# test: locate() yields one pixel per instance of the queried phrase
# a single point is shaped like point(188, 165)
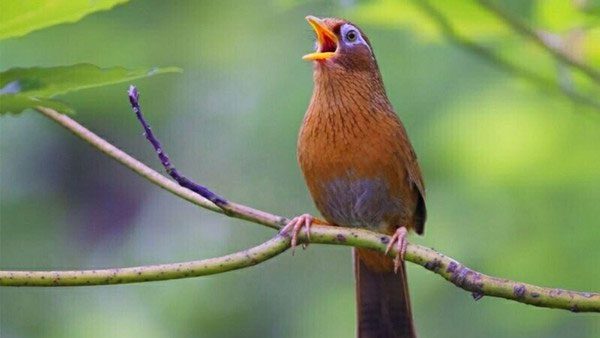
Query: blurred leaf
point(18, 18)
point(16, 103)
point(394, 14)
point(589, 6)
point(560, 15)
point(591, 46)
point(23, 88)
point(466, 16)
point(51, 81)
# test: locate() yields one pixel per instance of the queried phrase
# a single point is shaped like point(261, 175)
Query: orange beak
point(327, 41)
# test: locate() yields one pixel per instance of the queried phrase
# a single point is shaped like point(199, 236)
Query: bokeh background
point(512, 169)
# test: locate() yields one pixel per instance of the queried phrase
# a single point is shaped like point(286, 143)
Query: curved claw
point(295, 225)
point(399, 238)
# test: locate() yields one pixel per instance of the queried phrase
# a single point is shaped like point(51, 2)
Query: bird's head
point(340, 46)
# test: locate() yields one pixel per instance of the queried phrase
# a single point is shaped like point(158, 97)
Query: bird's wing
point(415, 178)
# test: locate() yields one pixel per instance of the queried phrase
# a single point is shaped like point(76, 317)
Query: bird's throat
point(339, 94)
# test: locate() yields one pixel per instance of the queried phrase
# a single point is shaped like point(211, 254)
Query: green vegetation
point(507, 137)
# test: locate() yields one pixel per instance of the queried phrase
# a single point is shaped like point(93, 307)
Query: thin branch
point(147, 273)
point(239, 211)
point(467, 279)
point(495, 60)
point(522, 28)
point(477, 283)
point(134, 97)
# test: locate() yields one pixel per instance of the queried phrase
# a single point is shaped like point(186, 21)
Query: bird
point(361, 171)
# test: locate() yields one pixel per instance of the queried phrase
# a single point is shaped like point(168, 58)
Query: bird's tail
point(382, 300)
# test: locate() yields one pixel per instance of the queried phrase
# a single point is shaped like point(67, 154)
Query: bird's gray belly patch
point(359, 202)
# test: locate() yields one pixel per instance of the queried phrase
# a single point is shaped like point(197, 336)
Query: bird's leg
point(399, 239)
point(295, 225)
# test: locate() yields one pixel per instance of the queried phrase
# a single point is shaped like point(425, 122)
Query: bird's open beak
point(327, 42)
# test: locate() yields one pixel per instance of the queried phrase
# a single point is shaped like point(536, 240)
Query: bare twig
point(183, 181)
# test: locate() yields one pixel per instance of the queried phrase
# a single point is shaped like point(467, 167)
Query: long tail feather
point(383, 303)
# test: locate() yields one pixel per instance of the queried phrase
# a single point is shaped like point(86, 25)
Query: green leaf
point(22, 88)
point(18, 18)
point(16, 103)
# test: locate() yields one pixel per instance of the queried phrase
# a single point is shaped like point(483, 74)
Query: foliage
point(512, 170)
point(24, 88)
point(18, 18)
point(572, 26)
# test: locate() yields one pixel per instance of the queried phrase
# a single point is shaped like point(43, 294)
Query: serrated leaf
point(18, 18)
point(22, 88)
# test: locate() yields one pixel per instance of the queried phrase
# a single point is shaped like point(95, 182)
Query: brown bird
point(361, 171)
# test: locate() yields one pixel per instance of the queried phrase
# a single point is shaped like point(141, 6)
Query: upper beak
point(327, 41)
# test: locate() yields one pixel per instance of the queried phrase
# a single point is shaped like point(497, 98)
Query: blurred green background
point(512, 170)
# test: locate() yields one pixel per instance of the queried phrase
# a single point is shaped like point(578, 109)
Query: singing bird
point(361, 171)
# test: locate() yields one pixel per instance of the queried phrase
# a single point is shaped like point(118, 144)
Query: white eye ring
point(351, 36)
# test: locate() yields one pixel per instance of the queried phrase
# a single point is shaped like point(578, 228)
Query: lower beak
point(327, 41)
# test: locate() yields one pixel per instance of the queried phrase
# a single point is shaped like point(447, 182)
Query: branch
point(495, 60)
point(453, 271)
point(526, 31)
point(235, 210)
point(147, 273)
point(183, 181)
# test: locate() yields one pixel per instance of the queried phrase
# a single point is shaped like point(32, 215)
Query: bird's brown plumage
point(361, 170)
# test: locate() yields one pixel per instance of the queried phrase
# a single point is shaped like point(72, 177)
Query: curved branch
point(147, 273)
point(522, 28)
point(453, 271)
point(477, 283)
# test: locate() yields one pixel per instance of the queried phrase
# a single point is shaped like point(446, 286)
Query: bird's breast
point(354, 169)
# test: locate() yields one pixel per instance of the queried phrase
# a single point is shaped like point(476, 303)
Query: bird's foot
point(398, 239)
point(295, 225)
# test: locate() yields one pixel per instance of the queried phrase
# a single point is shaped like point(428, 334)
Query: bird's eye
point(351, 35)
